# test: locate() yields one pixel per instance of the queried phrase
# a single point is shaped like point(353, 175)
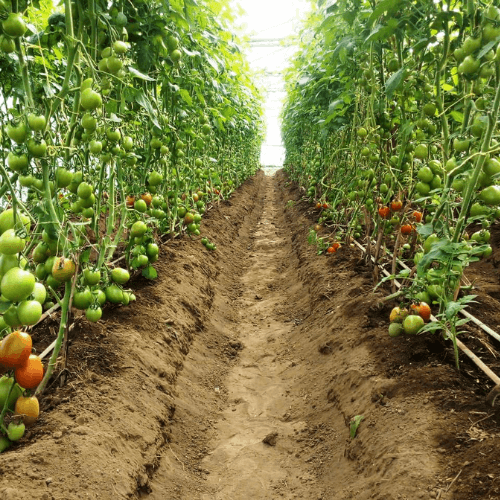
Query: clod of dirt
point(270, 439)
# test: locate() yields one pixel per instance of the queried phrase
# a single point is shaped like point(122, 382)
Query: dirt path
point(251, 454)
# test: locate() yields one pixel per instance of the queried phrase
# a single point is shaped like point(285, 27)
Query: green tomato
point(100, 297)
point(413, 324)
point(422, 188)
point(490, 195)
point(461, 145)
point(51, 282)
point(90, 99)
point(15, 431)
point(430, 241)
point(91, 277)
point(114, 294)
point(120, 275)
point(17, 284)
point(10, 243)
point(39, 292)
point(155, 178)
point(95, 147)
point(17, 163)
point(425, 174)
point(18, 133)
point(63, 177)
point(469, 66)
point(84, 190)
point(93, 314)
point(37, 122)
point(29, 312)
point(82, 299)
point(395, 329)
point(421, 151)
point(14, 26)
point(140, 205)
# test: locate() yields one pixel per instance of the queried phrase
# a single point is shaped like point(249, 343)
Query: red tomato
point(423, 310)
point(406, 229)
point(384, 212)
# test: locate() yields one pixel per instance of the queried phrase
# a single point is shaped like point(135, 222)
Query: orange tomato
point(147, 198)
point(63, 269)
point(423, 310)
point(396, 205)
point(384, 212)
point(325, 205)
point(28, 408)
point(406, 229)
point(130, 201)
point(331, 249)
point(418, 216)
point(398, 315)
point(336, 245)
point(318, 205)
point(15, 349)
point(30, 374)
point(195, 197)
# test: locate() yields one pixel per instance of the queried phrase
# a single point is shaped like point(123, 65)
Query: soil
point(238, 375)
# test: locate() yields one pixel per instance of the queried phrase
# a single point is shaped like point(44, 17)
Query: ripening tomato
point(63, 269)
point(398, 315)
point(418, 216)
point(423, 310)
point(396, 205)
point(130, 200)
point(147, 198)
point(28, 408)
point(30, 374)
point(331, 250)
point(406, 229)
point(15, 349)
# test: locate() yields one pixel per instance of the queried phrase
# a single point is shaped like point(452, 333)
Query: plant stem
point(60, 337)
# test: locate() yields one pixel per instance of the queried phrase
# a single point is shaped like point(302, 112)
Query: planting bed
point(237, 372)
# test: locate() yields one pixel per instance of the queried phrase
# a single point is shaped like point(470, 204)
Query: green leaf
point(142, 100)
point(149, 272)
point(354, 424)
point(381, 7)
point(186, 97)
point(140, 75)
point(394, 82)
point(4, 306)
point(457, 116)
point(85, 256)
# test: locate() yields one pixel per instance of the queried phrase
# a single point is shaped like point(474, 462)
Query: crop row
point(120, 122)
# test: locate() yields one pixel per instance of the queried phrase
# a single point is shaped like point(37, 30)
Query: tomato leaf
point(138, 74)
point(85, 256)
point(354, 424)
point(4, 306)
point(394, 82)
point(149, 273)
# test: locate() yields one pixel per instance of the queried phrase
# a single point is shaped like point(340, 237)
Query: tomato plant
point(110, 135)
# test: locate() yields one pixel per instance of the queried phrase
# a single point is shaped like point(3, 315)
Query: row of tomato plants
point(120, 121)
point(391, 126)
